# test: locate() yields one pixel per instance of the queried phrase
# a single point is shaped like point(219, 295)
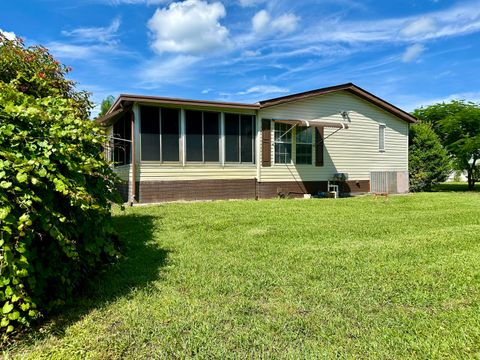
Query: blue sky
point(409, 52)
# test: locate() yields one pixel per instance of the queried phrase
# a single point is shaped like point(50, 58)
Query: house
point(168, 149)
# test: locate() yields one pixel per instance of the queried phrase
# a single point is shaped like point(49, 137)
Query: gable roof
point(349, 87)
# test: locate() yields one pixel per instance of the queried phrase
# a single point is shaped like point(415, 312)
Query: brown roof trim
point(350, 87)
point(110, 117)
point(176, 101)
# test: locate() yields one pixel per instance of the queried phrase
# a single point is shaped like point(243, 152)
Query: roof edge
point(350, 87)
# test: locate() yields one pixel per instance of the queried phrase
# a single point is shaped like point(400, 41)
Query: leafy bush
point(55, 187)
point(429, 163)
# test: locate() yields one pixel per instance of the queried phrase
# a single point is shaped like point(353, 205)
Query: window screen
point(246, 125)
point(211, 130)
point(170, 134)
point(150, 133)
point(194, 138)
point(232, 138)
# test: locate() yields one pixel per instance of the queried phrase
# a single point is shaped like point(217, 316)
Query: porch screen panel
point(211, 128)
point(150, 133)
point(246, 124)
point(193, 124)
point(232, 135)
point(170, 134)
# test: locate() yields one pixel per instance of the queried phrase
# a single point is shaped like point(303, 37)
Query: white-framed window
point(381, 137)
point(283, 143)
point(303, 146)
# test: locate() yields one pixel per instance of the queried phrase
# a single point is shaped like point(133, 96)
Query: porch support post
point(133, 162)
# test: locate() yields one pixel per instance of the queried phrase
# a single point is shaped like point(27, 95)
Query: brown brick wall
point(160, 191)
point(297, 189)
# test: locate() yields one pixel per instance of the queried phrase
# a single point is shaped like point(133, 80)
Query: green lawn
point(354, 278)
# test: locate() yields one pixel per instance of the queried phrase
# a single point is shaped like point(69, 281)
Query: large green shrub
point(55, 186)
point(429, 163)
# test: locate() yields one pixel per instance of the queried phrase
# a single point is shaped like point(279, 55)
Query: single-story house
point(168, 149)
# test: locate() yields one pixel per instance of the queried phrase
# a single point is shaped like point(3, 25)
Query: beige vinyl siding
point(354, 151)
point(155, 172)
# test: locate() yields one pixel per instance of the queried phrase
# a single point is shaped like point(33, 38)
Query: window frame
point(382, 131)
point(239, 122)
point(160, 136)
point(311, 135)
point(203, 139)
point(275, 142)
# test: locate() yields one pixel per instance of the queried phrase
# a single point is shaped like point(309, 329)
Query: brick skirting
point(161, 191)
point(297, 189)
point(158, 191)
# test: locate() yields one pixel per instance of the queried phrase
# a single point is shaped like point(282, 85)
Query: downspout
point(133, 162)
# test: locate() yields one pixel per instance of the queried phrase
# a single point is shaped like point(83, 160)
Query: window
point(283, 143)
point(150, 133)
point(239, 138)
point(202, 136)
point(303, 145)
point(121, 148)
point(170, 121)
point(159, 134)
point(381, 137)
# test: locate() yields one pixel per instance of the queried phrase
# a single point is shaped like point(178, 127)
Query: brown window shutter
point(266, 142)
point(319, 146)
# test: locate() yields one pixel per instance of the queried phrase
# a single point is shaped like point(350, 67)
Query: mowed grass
point(348, 278)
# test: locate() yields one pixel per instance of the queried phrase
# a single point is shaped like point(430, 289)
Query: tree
point(56, 188)
point(106, 105)
point(429, 163)
point(457, 123)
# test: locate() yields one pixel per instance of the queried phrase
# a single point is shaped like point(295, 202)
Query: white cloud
point(134, 2)
point(413, 52)
point(95, 34)
point(422, 26)
point(263, 90)
point(190, 27)
point(248, 3)
point(153, 73)
point(251, 53)
point(10, 35)
point(263, 22)
point(260, 20)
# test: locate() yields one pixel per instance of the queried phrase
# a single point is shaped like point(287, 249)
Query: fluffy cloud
point(8, 34)
point(413, 52)
point(263, 22)
point(422, 26)
point(189, 27)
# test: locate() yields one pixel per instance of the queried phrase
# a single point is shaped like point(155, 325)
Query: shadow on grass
point(454, 186)
point(140, 266)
